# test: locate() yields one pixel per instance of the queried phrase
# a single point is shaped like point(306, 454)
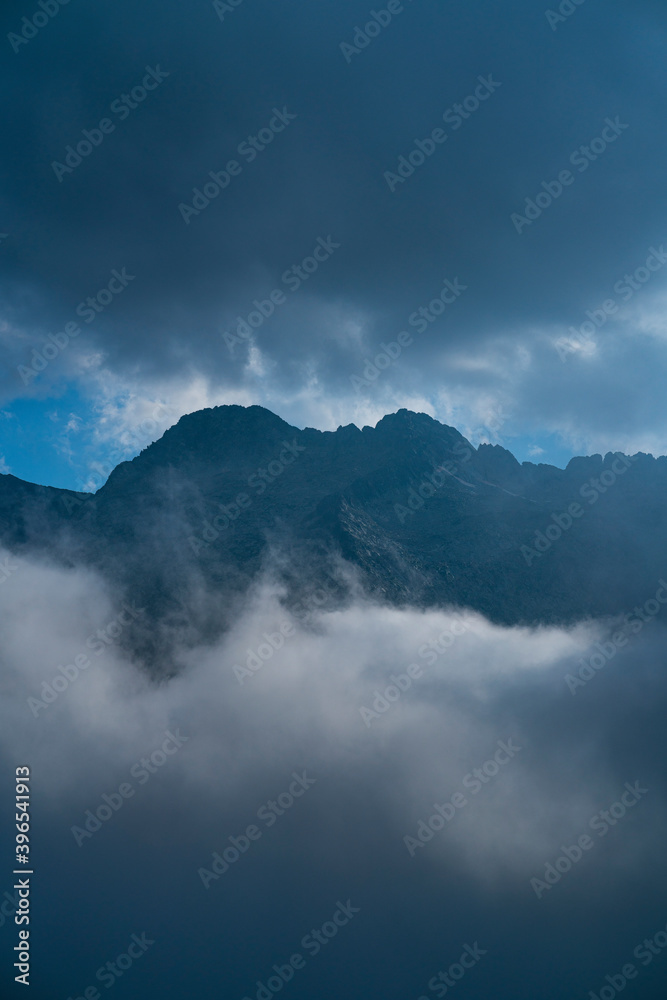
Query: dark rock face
point(425, 518)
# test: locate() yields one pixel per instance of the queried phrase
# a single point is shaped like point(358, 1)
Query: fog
point(373, 717)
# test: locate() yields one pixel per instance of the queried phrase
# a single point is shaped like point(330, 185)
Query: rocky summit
point(409, 509)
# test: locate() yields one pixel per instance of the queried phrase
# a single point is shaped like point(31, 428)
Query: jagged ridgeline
point(423, 517)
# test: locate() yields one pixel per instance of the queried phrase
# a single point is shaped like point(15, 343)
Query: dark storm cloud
point(323, 175)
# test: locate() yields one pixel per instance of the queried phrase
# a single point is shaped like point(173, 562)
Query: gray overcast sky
point(496, 362)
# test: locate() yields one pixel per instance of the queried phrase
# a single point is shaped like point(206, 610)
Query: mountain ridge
point(414, 509)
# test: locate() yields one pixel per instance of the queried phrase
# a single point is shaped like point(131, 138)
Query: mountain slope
point(423, 516)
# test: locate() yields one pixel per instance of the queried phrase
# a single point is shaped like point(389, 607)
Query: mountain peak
point(419, 513)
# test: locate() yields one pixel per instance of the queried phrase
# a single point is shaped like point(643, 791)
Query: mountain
point(422, 516)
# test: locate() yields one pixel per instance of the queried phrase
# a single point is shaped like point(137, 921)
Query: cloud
point(388, 726)
point(323, 178)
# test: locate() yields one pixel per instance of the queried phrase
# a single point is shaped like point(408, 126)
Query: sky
point(334, 196)
point(333, 210)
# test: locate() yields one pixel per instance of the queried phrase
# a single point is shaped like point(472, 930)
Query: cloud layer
point(224, 79)
point(446, 763)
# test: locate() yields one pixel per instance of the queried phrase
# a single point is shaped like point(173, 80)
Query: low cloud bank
point(407, 758)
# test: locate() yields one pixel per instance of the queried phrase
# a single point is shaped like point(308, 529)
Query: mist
point(424, 767)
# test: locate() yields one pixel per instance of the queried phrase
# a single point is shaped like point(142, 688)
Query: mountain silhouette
point(421, 516)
